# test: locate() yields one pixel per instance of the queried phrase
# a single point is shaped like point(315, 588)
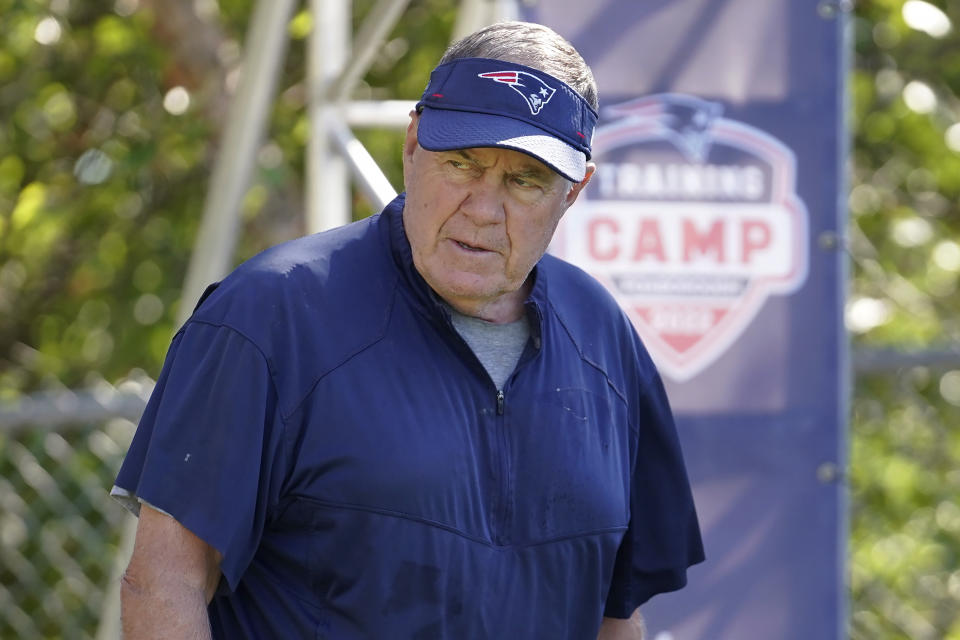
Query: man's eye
point(523, 182)
point(457, 164)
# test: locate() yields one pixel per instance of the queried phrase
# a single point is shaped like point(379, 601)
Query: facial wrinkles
point(500, 202)
point(480, 216)
point(503, 167)
point(491, 209)
point(460, 226)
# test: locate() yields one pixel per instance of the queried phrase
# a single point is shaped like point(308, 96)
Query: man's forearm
point(162, 611)
point(171, 577)
point(619, 629)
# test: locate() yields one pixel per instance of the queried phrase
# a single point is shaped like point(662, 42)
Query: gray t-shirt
point(497, 346)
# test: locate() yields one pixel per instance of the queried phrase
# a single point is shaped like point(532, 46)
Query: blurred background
point(111, 118)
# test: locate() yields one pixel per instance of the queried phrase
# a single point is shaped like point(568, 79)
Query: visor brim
point(446, 130)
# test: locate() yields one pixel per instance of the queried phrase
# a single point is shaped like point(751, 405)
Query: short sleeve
point(663, 537)
point(208, 449)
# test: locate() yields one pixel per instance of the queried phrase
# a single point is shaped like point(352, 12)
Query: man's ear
point(578, 186)
point(410, 144)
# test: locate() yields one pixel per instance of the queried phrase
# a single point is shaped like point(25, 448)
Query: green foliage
point(101, 186)
point(905, 231)
point(96, 178)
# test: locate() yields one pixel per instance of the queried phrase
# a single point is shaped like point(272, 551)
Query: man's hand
point(619, 629)
point(171, 578)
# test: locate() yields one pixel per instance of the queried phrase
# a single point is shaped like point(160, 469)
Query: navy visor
point(481, 102)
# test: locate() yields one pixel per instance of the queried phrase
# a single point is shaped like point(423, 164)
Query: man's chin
point(490, 300)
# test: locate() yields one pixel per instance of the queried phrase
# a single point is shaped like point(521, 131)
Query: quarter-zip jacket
point(321, 423)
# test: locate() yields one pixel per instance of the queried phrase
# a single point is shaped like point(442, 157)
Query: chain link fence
point(59, 529)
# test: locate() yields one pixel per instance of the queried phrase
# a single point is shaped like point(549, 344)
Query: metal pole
point(393, 114)
point(328, 189)
point(370, 37)
point(265, 48)
point(476, 14)
point(62, 410)
point(365, 169)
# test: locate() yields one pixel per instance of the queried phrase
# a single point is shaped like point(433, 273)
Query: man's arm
point(171, 578)
point(619, 629)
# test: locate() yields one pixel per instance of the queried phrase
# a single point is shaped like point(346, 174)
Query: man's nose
point(484, 201)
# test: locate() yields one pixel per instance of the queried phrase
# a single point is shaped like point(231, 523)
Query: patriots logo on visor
point(534, 91)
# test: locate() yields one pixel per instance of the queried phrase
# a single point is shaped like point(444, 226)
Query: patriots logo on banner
point(693, 223)
point(685, 121)
point(534, 91)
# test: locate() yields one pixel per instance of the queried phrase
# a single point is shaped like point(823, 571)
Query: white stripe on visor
point(552, 151)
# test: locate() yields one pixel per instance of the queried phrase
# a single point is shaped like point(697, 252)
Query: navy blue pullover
point(320, 423)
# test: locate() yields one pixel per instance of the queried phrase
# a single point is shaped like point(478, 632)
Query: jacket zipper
point(503, 517)
point(504, 511)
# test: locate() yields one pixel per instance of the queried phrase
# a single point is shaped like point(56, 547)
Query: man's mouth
point(468, 247)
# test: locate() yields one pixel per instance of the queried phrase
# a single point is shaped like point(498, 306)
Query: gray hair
point(533, 45)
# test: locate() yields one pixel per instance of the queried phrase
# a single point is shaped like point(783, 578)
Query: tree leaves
point(905, 229)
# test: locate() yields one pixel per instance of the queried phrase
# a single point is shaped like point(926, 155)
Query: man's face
point(478, 220)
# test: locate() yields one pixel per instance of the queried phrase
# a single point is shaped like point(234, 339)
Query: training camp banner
point(715, 220)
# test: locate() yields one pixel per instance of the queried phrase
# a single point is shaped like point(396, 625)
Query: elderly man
point(418, 425)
